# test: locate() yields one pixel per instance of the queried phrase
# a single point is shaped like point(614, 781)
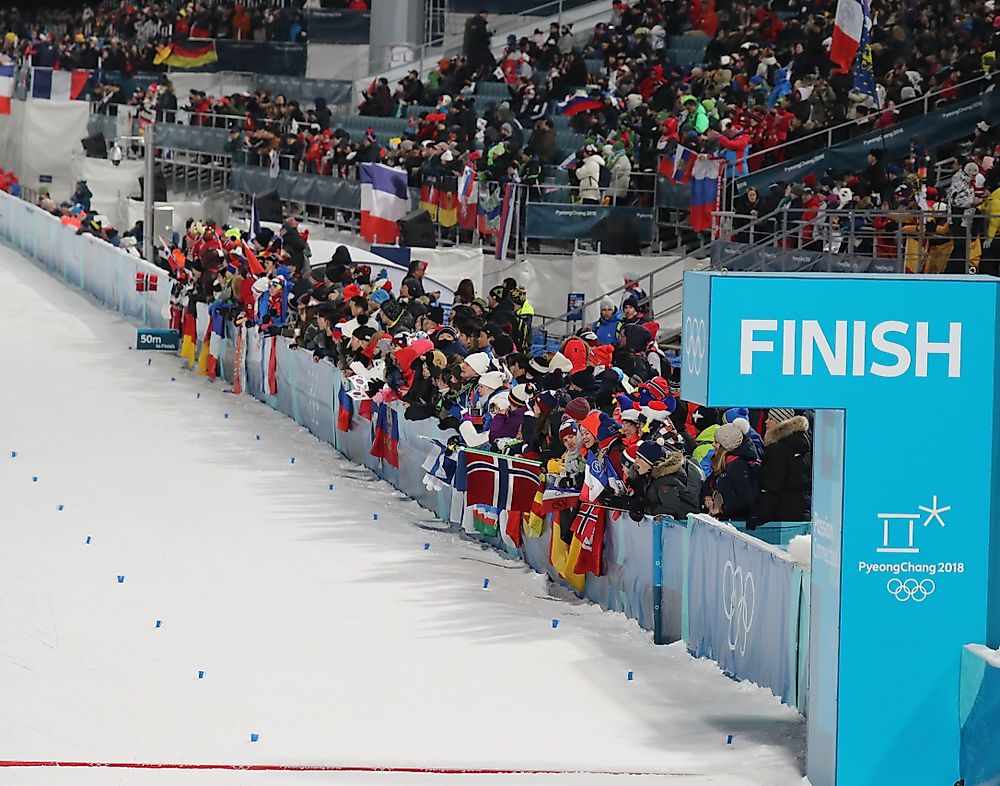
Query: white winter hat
point(501, 401)
point(561, 363)
point(479, 362)
point(260, 286)
point(491, 379)
point(607, 302)
point(971, 169)
point(631, 415)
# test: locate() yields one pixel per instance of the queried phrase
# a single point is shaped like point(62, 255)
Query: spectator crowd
point(608, 394)
point(124, 37)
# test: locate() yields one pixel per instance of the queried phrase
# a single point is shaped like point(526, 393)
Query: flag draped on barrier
point(385, 443)
point(53, 85)
point(187, 54)
point(704, 192)
point(6, 88)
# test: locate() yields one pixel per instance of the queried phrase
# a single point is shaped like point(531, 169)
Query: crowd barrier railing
point(106, 272)
point(731, 597)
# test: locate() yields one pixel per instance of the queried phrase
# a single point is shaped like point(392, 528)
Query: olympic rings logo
point(695, 344)
point(911, 589)
point(739, 595)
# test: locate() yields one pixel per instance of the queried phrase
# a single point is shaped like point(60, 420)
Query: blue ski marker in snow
point(293, 459)
point(13, 454)
point(729, 740)
point(159, 622)
point(201, 675)
point(34, 478)
point(87, 540)
point(486, 583)
point(225, 415)
point(427, 546)
point(630, 676)
point(254, 737)
point(555, 624)
point(121, 579)
point(59, 507)
point(149, 361)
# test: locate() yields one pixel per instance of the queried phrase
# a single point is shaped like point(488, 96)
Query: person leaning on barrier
point(729, 493)
point(663, 483)
point(786, 470)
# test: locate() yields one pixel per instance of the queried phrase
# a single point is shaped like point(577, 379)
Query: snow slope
point(339, 639)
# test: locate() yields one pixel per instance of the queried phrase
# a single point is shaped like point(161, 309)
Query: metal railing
point(824, 137)
point(917, 241)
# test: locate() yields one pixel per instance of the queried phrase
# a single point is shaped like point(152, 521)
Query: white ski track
point(338, 639)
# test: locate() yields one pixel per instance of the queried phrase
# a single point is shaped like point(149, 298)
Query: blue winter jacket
point(609, 332)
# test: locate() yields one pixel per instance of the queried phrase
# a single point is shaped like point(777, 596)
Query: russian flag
point(704, 192)
point(678, 166)
point(847, 33)
point(47, 83)
point(343, 410)
point(384, 200)
point(579, 103)
point(6, 88)
point(385, 444)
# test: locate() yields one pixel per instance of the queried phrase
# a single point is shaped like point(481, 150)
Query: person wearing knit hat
point(664, 483)
point(490, 381)
point(540, 428)
point(741, 416)
point(631, 426)
point(648, 455)
point(731, 491)
point(779, 415)
point(475, 365)
point(729, 436)
point(786, 470)
point(578, 408)
point(520, 395)
point(608, 327)
point(545, 402)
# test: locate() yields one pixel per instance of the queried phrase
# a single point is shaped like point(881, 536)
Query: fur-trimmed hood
point(796, 425)
point(673, 462)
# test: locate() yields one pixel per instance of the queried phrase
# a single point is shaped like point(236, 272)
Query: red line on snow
point(328, 768)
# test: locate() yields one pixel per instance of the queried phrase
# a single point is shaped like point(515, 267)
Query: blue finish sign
point(903, 537)
point(146, 338)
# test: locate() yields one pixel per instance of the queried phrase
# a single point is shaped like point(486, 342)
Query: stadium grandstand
point(477, 218)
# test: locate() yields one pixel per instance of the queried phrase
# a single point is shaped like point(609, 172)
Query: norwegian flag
point(502, 482)
point(343, 410)
point(587, 548)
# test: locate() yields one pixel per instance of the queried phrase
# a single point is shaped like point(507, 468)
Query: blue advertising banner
point(567, 222)
point(978, 712)
point(824, 630)
point(913, 564)
point(739, 606)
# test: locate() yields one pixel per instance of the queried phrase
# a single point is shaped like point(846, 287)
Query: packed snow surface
point(338, 639)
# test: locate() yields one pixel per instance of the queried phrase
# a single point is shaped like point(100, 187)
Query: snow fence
point(731, 597)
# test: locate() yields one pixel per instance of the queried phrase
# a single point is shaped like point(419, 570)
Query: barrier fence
point(676, 579)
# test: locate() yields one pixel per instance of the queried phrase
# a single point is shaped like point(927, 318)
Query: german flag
point(190, 54)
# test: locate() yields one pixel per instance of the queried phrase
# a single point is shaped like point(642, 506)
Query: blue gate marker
point(121, 579)
point(630, 676)
point(254, 737)
point(486, 583)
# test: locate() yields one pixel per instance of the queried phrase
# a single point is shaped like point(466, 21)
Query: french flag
point(384, 200)
point(704, 192)
point(847, 33)
point(49, 84)
point(6, 88)
point(678, 167)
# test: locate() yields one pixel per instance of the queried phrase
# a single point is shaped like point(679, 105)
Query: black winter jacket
point(786, 473)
